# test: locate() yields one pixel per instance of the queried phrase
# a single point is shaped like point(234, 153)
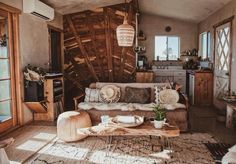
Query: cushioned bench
point(177, 117)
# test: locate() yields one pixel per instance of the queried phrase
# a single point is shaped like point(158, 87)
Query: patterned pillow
point(110, 94)
point(168, 96)
point(138, 95)
point(158, 89)
point(92, 95)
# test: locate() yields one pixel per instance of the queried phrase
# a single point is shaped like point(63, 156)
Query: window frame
point(208, 45)
point(167, 57)
point(15, 71)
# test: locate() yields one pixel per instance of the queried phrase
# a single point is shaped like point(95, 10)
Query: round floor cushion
point(69, 122)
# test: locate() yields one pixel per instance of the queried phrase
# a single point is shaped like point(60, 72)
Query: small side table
point(231, 109)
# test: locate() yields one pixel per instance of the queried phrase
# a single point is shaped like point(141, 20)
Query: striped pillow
point(92, 95)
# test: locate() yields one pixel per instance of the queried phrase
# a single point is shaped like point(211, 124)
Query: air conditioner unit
point(39, 9)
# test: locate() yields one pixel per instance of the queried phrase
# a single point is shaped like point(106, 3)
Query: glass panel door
point(222, 63)
point(5, 75)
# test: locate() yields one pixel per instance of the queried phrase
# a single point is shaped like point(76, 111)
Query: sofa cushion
point(122, 86)
point(138, 95)
point(92, 95)
point(110, 94)
point(168, 96)
point(228, 158)
point(233, 149)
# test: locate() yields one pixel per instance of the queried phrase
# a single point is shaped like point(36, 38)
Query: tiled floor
point(203, 119)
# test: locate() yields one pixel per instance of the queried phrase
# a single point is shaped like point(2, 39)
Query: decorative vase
point(159, 124)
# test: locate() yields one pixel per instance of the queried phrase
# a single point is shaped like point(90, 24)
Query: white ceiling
point(72, 6)
point(188, 10)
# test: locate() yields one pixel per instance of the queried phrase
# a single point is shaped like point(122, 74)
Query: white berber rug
point(187, 148)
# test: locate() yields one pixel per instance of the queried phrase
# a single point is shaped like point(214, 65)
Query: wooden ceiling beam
point(108, 44)
point(72, 47)
point(83, 50)
point(125, 49)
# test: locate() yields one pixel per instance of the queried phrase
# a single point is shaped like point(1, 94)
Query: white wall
point(155, 25)
point(34, 43)
point(207, 25)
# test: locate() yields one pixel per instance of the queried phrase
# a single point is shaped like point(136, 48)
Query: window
point(5, 73)
point(204, 44)
point(167, 47)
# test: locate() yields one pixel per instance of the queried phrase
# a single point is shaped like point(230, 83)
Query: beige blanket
point(126, 106)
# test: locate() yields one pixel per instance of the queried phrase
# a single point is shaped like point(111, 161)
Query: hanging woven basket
point(125, 34)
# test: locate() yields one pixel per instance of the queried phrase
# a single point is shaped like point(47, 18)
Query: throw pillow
point(233, 149)
point(92, 95)
point(158, 89)
point(110, 94)
point(168, 96)
point(138, 95)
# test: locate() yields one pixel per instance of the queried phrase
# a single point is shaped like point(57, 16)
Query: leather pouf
point(69, 122)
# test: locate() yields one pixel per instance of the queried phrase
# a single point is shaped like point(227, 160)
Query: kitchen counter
point(198, 71)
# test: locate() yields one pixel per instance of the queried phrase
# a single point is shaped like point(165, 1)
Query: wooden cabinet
point(144, 77)
point(52, 106)
point(203, 88)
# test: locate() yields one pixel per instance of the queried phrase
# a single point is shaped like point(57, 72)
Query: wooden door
point(55, 40)
point(222, 63)
point(7, 77)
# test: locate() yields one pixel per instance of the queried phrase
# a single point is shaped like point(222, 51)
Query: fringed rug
point(187, 148)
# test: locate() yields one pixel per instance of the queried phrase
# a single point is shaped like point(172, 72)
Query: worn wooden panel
point(91, 49)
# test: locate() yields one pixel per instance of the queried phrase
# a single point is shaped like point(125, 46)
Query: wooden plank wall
point(91, 50)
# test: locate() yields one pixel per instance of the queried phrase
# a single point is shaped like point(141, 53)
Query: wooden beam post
point(108, 44)
point(83, 50)
point(93, 37)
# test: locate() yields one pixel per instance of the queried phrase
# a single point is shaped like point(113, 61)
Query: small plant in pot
point(159, 116)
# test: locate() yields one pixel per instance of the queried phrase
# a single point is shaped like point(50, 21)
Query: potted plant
point(160, 113)
point(3, 40)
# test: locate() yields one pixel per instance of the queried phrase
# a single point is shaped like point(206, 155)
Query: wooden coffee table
point(146, 129)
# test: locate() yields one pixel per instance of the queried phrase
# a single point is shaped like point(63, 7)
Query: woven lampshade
point(125, 34)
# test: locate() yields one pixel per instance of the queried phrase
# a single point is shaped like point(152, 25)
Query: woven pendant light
point(125, 33)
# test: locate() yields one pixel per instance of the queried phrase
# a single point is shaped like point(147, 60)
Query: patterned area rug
point(188, 148)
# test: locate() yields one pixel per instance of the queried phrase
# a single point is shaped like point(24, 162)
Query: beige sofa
point(178, 116)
